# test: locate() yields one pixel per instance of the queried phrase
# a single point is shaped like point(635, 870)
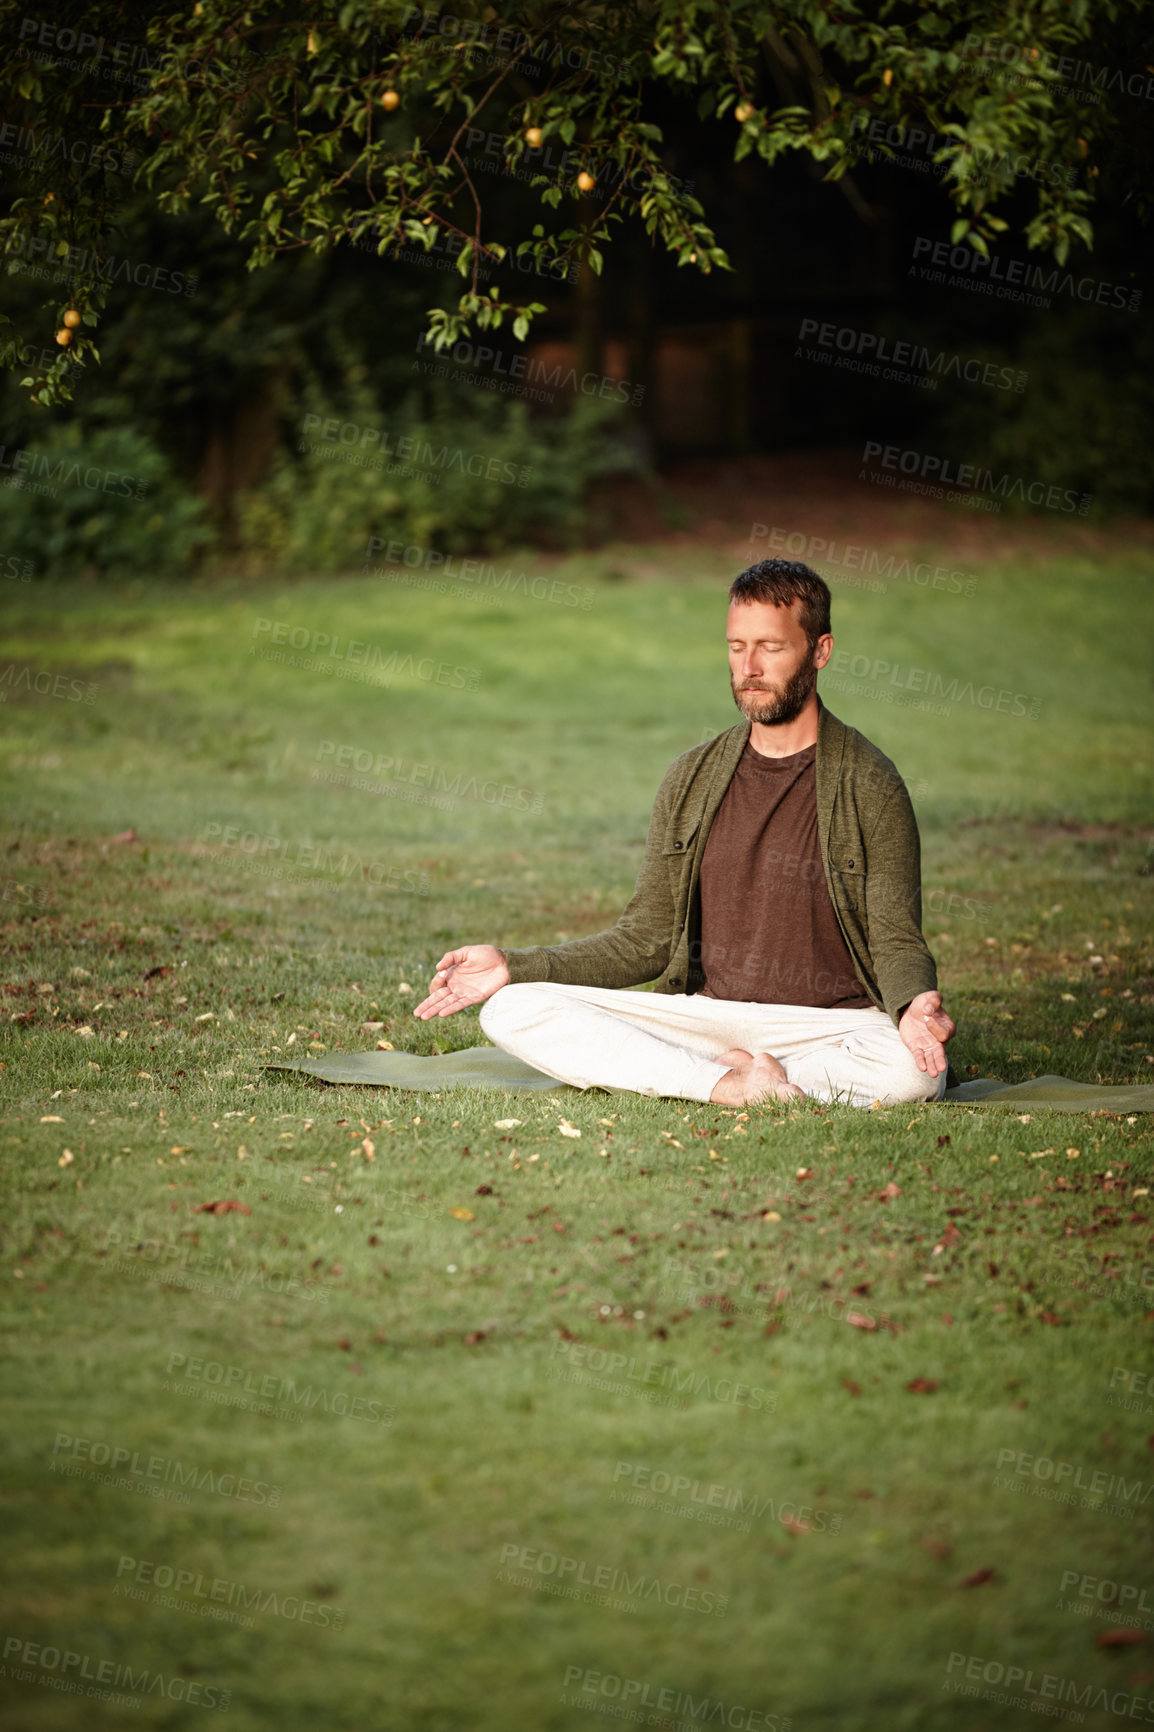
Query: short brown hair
point(782, 582)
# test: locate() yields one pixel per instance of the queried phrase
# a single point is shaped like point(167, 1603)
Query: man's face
point(772, 669)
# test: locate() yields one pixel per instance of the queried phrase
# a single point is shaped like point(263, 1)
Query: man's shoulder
point(858, 757)
point(702, 756)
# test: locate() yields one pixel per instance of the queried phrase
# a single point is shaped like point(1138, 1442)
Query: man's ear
point(822, 650)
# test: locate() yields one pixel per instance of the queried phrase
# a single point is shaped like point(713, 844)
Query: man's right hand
point(464, 977)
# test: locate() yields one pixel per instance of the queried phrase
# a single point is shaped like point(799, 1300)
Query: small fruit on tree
point(390, 100)
point(72, 318)
point(586, 181)
point(533, 137)
point(64, 337)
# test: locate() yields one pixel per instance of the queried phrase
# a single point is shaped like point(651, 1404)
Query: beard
point(777, 704)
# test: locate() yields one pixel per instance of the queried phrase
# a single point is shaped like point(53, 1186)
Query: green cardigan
point(869, 848)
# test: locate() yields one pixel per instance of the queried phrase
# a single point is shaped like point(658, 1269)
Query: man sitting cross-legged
point(777, 911)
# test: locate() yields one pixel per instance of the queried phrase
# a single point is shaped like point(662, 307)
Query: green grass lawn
point(455, 1422)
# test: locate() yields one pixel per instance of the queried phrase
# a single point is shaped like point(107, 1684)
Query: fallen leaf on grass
point(121, 836)
point(922, 1386)
point(848, 1383)
point(858, 1321)
point(568, 1130)
point(155, 973)
point(462, 1214)
point(370, 1148)
point(936, 1548)
point(509, 1124)
point(225, 1207)
point(52, 1119)
point(794, 1525)
point(890, 1191)
point(474, 1338)
point(943, 1142)
point(86, 1031)
point(66, 1158)
point(978, 1578)
point(1119, 1638)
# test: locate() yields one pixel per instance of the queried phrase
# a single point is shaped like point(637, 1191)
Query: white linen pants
point(657, 1043)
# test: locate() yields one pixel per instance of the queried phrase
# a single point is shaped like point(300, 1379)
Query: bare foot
point(753, 1077)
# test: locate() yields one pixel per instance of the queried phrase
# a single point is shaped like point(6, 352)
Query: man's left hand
point(924, 1028)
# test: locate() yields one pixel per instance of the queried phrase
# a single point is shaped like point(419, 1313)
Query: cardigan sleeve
point(903, 964)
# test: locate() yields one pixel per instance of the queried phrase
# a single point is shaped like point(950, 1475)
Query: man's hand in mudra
point(464, 977)
point(924, 1028)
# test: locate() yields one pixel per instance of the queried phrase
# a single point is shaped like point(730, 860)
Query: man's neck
point(783, 739)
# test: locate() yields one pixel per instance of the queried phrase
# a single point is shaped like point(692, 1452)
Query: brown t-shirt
point(769, 934)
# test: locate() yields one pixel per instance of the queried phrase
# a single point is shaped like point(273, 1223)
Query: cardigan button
point(675, 983)
point(678, 844)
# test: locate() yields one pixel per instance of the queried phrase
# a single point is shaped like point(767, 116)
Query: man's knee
point(906, 1084)
point(507, 1008)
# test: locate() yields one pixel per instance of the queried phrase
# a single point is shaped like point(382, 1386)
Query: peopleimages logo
point(1109, 1593)
point(1001, 53)
point(1018, 278)
point(123, 1460)
point(912, 679)
point(117, 1673)
point(515, 371)
point(908, 362)
point(604, 1578)
point(236, 1380)
point(668, 1377)
point(634, 1694)
point(154, 1578)
point(69, 474)
point(936, 475)
point(713, 1498)
point(473, 571)
point(852, 556)
point(1098, 1484)
point(1051, 1685)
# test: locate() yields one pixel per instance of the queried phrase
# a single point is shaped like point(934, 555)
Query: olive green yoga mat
point(487, 1067)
